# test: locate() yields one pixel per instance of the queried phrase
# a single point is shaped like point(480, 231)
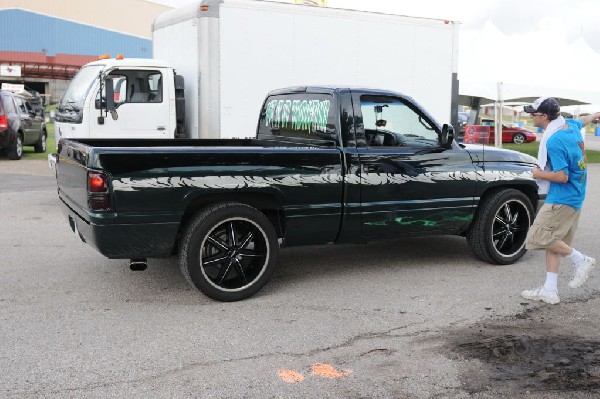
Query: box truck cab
point(143, 96)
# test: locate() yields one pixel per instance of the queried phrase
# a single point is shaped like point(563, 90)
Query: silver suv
point(20, 125)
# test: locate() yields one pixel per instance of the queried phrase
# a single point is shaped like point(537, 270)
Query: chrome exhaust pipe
point(138, 265)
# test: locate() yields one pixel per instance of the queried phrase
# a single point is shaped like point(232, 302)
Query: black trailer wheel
point(15, 151)
point(40, 146)
point(229, 251)
point(499, 230)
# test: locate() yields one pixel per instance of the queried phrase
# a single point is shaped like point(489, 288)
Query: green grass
point(532, 149)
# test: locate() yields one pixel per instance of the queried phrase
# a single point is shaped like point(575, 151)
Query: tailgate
point(71, 175)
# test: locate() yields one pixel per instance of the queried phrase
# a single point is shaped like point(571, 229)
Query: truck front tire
point(229, 251)
point(499, 230)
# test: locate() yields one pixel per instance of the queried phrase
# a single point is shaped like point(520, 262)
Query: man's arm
point(586, 120)
point(557, 177)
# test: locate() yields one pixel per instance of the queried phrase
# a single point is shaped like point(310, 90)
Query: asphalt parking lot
point(408, 318)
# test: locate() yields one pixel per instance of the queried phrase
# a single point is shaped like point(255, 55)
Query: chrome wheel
point(510, 226)
point(234, 254)
point(497, 234)
point(518, 138)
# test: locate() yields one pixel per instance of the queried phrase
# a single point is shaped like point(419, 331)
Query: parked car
point(510, 134)
point(20, 125)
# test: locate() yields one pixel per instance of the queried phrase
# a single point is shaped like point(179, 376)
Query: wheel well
point(268, 204)
point(529, 191)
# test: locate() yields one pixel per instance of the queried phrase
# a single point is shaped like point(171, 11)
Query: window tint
point(391, 122)
point(305, 116)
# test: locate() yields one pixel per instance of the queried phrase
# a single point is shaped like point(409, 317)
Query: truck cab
point(143, 92)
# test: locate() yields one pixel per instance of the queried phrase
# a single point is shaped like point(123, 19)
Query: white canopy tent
point(522, 72)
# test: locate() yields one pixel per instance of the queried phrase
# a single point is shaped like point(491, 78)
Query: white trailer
point(231, 53)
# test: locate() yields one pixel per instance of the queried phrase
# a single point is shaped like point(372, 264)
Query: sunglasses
point(536, 114)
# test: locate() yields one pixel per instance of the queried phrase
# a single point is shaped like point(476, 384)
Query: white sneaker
point(582, 272)
point(541, 294)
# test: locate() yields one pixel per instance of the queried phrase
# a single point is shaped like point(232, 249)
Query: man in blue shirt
point(554, 226)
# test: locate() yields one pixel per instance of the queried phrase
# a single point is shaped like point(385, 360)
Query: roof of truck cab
point(335, 88)
point(131, 62)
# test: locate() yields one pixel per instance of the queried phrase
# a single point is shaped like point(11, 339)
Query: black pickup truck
point(328, 165)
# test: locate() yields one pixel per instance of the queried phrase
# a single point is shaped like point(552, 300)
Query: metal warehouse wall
point(25, 31)
point(132, 17)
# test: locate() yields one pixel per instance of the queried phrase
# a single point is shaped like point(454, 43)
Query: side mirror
point(447, 136)
point(110, 95)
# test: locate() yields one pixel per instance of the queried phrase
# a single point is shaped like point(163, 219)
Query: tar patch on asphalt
point(527, 353)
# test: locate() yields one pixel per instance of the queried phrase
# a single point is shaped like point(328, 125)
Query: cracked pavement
point(386, 315)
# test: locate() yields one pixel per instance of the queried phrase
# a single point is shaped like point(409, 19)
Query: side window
point(136, 86)
point(9, 105)
point(298, 116)
point(144, 87)
point(28, 108)
point(119, 89)
point(156, 90)
point(392, 122)
point(20, 105)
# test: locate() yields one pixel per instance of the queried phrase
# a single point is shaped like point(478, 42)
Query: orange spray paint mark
point(328, 371)
point(291, 376)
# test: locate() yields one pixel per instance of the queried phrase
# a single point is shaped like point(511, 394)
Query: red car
point(485, 133)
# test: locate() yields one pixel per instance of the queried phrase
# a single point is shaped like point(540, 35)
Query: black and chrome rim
point(510, 227)
point(234, 254)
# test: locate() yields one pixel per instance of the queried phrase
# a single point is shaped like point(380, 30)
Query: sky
point(522, 35)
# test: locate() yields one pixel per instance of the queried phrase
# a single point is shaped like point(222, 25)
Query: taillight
point(98, 192)
point(3, 122)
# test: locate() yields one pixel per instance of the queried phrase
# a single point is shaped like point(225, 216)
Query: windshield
point(77, 91)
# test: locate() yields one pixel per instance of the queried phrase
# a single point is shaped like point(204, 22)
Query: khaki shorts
point(553, 223)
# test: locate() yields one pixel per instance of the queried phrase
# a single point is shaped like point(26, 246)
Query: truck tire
point(229, 251)
point(15, 151)
point(40, 146)
point(499, 230)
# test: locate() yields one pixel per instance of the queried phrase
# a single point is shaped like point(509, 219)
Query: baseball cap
point(544, 105)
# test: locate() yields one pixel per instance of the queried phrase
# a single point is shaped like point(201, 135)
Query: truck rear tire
point(229, 251)
point(499, 230)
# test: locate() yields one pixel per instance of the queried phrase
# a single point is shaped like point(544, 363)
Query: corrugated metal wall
point(25, 31)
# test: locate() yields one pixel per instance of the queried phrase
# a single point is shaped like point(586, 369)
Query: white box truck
point(217, 59)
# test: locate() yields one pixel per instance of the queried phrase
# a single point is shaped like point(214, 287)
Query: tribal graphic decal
point(297, 180)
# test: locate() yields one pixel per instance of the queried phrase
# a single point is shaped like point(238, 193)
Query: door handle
point(161, 128)
point(369, 168)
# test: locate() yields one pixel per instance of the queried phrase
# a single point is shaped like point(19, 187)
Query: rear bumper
point(6, 138)
point(124, 241)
